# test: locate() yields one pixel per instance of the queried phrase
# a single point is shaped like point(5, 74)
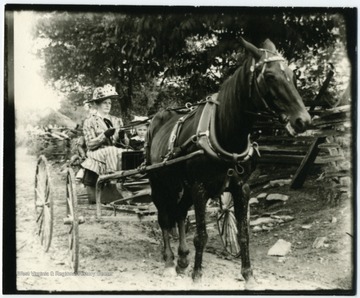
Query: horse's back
point(159, 133)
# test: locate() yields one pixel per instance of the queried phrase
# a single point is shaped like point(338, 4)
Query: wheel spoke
point(223, 225)
point(221, 215)
point(232, 237)
point(40, 214)
point(226, 229)
point(227, 224)
point(234, 233)
point(40, 224)
point(39, 195)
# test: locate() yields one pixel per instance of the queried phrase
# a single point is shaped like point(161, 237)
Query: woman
point(103, 136)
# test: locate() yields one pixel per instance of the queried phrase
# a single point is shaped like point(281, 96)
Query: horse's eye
point(270, 77)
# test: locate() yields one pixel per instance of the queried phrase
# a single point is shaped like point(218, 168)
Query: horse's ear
point(251, 48)
point(269, 45)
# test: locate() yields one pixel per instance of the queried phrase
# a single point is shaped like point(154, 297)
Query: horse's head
point(273, 88)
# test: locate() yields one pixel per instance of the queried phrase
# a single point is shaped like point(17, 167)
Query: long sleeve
point(118, 124)
point(93, 141)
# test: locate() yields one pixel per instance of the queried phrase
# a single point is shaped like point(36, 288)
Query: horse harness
point(260, 87)
point(205, 138)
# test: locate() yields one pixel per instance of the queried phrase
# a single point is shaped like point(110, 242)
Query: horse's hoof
point(170, 272)
point(181, 266)
point(181, 270)
point(196, 276)
point(251, 284)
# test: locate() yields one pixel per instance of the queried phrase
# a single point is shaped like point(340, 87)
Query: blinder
point(261, 88)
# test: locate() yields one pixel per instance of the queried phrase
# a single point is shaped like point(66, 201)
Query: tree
point(172, 54)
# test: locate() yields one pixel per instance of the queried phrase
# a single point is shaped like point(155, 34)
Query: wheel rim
point(43, 203)
point(227, 225)
point(71, 212)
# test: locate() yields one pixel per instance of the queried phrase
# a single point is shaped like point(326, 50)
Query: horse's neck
point(234, 121)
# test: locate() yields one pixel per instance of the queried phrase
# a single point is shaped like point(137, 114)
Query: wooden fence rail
point(327, 142)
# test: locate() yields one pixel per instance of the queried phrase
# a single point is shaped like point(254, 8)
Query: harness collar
point(206, 137)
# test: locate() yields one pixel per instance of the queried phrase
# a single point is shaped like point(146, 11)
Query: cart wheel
point(226, 223)
point(72, 219)
point(44, 207)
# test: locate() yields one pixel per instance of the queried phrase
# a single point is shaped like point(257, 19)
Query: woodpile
point(327, 144)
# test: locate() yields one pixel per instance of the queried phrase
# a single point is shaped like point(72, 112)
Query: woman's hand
point(108, 133)
point(121, 134)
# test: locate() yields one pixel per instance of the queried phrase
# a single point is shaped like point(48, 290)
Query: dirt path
point(125, 255)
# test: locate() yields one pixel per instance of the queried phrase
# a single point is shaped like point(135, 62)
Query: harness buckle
point(189, 106)
point(204, 133)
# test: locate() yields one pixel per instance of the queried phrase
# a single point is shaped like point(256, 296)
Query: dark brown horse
point(264, 83)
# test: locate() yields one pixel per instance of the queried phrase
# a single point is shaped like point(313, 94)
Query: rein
point(188, 108)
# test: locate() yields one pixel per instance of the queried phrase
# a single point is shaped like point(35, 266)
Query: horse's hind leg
point(200, 198)
point(183, 250)
point(168, 254)
point(241, 195)
point(166, 226)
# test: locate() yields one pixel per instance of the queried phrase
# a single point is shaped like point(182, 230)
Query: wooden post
point(308, 160)
point(317, 101)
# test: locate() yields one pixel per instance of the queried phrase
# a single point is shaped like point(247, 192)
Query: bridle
point(258, 84)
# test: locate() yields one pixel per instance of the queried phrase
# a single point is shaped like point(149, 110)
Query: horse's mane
point(233, 121)
point(233, 97)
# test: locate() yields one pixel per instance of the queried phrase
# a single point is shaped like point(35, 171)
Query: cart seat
point(132, 159)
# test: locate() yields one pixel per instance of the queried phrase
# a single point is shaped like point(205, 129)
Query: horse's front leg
point(241, 195)
point(200, 198)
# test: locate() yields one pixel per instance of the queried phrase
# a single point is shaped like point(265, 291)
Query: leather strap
point(206, 137)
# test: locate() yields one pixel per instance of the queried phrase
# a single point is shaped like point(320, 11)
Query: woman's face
point(104, 107)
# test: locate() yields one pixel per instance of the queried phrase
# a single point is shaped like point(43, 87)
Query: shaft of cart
point(140, 170)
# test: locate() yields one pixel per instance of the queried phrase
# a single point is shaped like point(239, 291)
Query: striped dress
point(102, 156)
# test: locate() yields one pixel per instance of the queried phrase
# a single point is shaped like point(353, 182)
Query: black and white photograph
point(180, 149)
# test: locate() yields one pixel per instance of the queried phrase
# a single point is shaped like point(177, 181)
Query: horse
point(220, 127)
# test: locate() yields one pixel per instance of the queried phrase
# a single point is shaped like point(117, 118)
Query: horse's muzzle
point(301, 124)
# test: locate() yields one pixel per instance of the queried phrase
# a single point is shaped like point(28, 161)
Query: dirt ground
point(125, 254)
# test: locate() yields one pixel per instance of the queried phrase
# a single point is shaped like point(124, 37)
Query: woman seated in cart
point(104, 137)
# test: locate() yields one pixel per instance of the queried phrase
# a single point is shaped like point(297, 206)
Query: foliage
point(160, 57)
point(310, 76)
point(73, 107)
